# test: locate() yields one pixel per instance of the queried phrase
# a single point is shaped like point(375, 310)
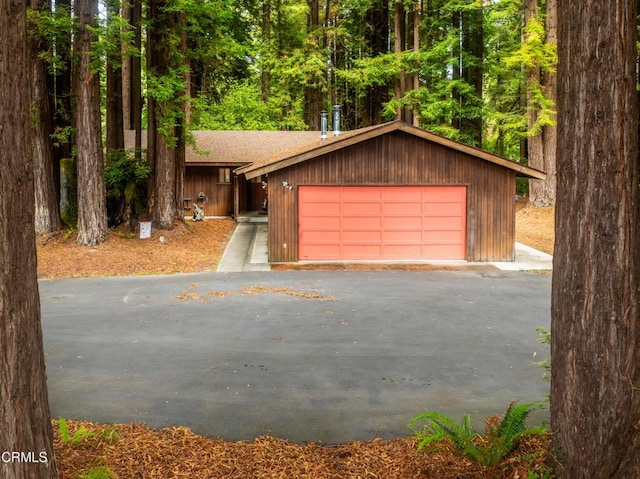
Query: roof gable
point(304, 152)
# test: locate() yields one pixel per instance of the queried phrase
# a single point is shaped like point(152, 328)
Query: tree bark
point(595, 349)
point(47, 210)
point(165, 142)
point(114, 100)
point(25, 423)
point(313, 90)
point(542, 147)
point(377, 36)
point(92, 208)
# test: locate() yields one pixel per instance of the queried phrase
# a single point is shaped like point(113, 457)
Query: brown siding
point(218, 199)
point(402, 159)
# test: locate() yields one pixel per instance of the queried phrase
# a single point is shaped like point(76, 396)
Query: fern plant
point(502, 435)
point(79, 435)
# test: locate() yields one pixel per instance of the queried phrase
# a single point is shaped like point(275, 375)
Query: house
point(209, 180)
point(389, 192)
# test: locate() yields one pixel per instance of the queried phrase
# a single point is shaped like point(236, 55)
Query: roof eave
point(252, 170)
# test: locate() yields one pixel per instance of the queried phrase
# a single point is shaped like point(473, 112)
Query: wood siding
point(218, 197)
point(401, 159)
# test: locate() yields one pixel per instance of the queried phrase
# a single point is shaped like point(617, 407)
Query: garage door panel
point(402, 237)
point(324, 223)
point(361, 223)
point(359, 251)
point(402, 195)
point(402, 251)
point(444, 209)
point(362, 236)
point(359, 194)
point(444, 222)
point(406, 223)
point(369, 223)
point(414, 208)
point(321, 237)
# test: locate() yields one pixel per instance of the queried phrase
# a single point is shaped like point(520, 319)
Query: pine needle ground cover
point(135, 451)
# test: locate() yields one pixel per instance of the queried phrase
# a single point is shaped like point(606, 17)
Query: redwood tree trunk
point(47, 209)
point(92, 208)
point(25, 423)
point(595, 349)
point(542, 147)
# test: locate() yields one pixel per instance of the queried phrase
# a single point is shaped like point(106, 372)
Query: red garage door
point(378, 223)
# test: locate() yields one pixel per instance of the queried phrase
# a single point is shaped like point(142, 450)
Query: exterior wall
point(402, 159)
point(218, 200)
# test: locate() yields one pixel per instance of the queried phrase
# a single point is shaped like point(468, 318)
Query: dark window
point(224, 175)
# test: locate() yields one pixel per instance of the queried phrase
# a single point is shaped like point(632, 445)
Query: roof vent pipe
point(323, 125)
point(336, 120)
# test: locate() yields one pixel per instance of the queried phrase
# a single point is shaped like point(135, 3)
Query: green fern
point(80, 435)
point(499, 440)
point(100, 472)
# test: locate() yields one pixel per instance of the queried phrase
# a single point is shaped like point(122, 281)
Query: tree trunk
point(92, 208)
point(543, 192)
point(114, 107)
point(399, 43)
point(25, 422)
point(313, 91)
point(377, 36)
point(265, 76)
point(166, 142)
point(595, 328)
point(47, 211)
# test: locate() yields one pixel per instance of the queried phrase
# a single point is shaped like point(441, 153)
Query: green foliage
point(80, 435)
point(100, 472)
point(544, 337)
point(52, 30)
point(500, 439)
point(123, 168)
point(242, 108)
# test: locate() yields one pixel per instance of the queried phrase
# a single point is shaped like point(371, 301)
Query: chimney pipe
point(323, 125)
point(336, 120)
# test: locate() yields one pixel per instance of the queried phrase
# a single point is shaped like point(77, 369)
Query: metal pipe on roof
point(323, 124)
point(336, 120)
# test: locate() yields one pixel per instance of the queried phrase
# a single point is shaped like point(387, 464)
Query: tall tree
point(542, 88)
point(166, 48)
point(113, 74)
point(47, 213)
point(25, 422)
point(92, 208)
point(595, 328)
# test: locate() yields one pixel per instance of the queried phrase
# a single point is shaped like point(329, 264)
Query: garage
point(381, 222)
point(390, 192)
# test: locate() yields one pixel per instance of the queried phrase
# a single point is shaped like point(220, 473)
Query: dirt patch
point(259, 289)
point(535, 226)
point(189, 247)
point(135, 451)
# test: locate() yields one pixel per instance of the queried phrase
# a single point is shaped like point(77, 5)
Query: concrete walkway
point(247, 251)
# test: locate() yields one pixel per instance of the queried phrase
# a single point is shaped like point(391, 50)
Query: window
point(224, 175)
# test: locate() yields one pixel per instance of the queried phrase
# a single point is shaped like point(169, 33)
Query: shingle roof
point(237, 147)
point(259, 151)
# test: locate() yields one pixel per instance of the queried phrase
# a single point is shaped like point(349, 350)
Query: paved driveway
point(326, 356)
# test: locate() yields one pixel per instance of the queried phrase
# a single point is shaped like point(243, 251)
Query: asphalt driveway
point(327, 356)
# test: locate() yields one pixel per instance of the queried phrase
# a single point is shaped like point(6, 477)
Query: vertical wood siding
point(402, 159)
point(218, 196)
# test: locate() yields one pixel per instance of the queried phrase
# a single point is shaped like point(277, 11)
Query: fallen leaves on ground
point(135, 451)
point(535, 227)
point(188, 247)
point(259, 289)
